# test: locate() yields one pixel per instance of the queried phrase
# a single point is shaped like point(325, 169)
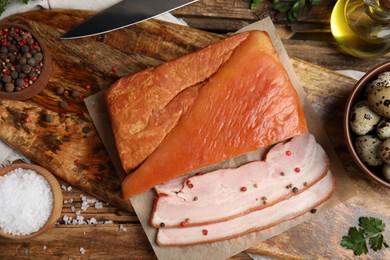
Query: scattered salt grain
point(98, 205)
point(72, 208)
point(44, 247)
point(26, 202)
point(26, 251)
point(69, 188)
point(82, 250)
point(84, 205)
point(92, 221)
point(122, 228)
point(108, 222)
point(91, 201)
point(63, 187)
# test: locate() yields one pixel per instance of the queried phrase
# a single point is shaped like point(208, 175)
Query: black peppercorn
point(60, 91)
point(6, 78)
point(75, 93)
point(86, 129)
point(26, 68)
point(22, 75)
point(22, 60)
point(31, 62)
point(19, 82)
point(14, 74)
point(25, 48)
point(63, 104)
point(49, 118)
point(38, 56)
point(9, 87)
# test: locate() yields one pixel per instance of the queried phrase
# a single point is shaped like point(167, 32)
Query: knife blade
point(123, 14)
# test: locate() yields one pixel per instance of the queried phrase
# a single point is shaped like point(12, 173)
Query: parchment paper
point(143, 203)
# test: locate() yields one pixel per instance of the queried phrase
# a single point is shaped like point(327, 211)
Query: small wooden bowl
point(41, 82)
point(357, 94)
point(57, 198)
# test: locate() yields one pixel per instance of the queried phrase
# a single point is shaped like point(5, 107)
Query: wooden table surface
point(310, 34)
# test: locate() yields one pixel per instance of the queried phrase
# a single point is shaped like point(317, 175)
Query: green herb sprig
point(5, 3)
point(369, 229)
point(291, 7)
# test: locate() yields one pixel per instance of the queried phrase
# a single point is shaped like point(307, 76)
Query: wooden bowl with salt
point(56, 195)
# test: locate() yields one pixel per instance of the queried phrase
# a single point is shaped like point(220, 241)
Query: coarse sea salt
point(26, 202)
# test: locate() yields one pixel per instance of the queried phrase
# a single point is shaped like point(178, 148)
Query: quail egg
point(384, 151)
point(367, 148)
point(379, 99)
point(363, 118)
point(383, 80)
point(383, 129)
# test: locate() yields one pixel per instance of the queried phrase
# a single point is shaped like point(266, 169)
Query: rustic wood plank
point(325, 89)
point(210, 15)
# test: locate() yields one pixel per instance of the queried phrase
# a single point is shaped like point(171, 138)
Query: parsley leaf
point(291, 7)
point(369, 229)
point(255, 3)
point(355, 241)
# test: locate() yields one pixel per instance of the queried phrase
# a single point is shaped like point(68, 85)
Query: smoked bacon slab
point(246, 104)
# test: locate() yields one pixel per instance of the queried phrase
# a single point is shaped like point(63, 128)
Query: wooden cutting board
point(71, 148)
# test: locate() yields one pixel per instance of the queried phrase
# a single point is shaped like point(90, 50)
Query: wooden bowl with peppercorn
point(30, 201)
point(25, 62)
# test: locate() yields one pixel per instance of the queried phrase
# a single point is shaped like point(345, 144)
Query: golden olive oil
point(361, 27)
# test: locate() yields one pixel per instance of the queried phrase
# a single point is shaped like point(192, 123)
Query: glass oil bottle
point(362, 27)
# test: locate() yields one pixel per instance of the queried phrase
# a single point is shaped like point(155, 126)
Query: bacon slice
point(252, 222)
point(247, 104)
point(289, 168)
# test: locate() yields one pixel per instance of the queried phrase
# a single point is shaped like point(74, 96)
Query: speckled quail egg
point(379, 100)
point(386, 171)
point(363, 118)
point(384, 151)
point(367, 148)
point(383, 129)
point(383, 80)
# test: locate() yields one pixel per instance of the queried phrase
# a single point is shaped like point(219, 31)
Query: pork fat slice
point(289, 168)
point(254, 221)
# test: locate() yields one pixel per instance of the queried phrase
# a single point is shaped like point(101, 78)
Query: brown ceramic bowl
point(357, 94)
point(43, 78)
point(57, 198)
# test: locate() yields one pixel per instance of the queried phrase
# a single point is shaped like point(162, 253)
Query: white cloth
point(8, 155)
